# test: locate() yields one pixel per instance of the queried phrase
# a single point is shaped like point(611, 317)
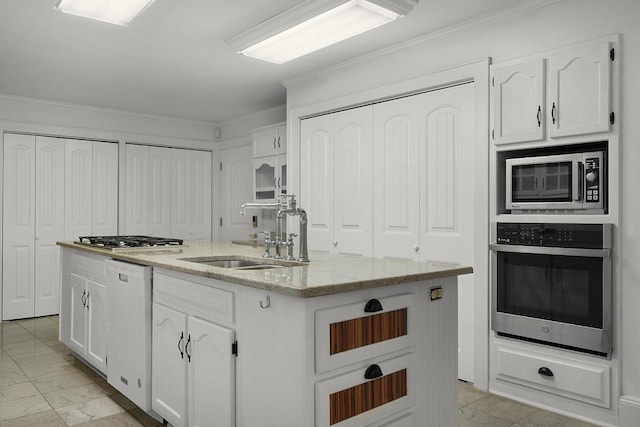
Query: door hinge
point(234, 348)
point(612, 54)
point(220, 222)
point(612, 118)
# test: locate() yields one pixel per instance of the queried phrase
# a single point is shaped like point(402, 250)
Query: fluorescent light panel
point(340, 23)
point(119, 12)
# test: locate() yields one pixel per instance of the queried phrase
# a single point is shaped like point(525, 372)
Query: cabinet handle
point(372, 372)
point(186, 348)
point(274, 142)
point(278, 182)
point(84, 304)
point(545, 372)
point(274, 182)
point(373, 306)
point(180, 348)
point(539, 115)
point(278, 142)
point(87, 300)
point(553, 113)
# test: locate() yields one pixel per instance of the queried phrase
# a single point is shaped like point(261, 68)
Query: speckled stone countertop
point(324, 275)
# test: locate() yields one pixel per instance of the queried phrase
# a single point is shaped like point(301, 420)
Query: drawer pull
point(545, 372)
point(373, 306)
point(372, 372)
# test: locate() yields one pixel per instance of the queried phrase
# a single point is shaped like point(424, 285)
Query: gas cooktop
point(115, 242)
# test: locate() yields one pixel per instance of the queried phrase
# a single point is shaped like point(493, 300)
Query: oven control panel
point(591, 236)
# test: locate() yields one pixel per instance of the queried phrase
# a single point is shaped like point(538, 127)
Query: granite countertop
point(324, 275)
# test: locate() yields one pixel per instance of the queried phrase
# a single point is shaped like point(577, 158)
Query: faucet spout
point(271, 206)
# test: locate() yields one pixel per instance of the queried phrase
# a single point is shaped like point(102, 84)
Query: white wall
point(538, 26)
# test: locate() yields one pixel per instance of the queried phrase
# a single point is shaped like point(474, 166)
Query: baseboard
point(629, 411)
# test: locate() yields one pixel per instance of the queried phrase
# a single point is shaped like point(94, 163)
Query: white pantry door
point(446, 205)
point(236, 188)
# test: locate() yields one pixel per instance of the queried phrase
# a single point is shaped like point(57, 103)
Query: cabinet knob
point(544, 371)
point(335, 243)
point(416, 248)
point(373, 306)
point(373, 371)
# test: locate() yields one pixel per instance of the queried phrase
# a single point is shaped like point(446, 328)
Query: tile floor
point(43, 385)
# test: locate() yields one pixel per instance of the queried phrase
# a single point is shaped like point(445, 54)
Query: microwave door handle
point(576, 181)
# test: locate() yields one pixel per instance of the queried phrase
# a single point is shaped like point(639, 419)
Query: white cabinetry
point(91, 188)
point(168, 192)
point(336, 181)
point(270, 161)
point(83, 312)
point(193, 365)
point(578, 95)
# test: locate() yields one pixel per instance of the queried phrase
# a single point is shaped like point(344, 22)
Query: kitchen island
point(339, 341)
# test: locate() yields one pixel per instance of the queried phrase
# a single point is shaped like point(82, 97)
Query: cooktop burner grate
point(129, 241)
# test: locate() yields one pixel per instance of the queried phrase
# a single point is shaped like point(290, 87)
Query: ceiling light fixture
point(119, 12)
point(315, 24)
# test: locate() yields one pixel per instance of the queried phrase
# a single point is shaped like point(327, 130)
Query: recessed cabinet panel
point(579, 91)
point(518, 102)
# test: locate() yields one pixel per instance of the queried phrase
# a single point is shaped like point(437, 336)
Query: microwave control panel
point(592, 180)
point(591, 236)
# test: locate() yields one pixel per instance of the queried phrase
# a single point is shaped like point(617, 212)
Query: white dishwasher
point(129, 331)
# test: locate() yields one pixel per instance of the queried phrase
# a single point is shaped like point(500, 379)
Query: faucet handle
point(290, 256)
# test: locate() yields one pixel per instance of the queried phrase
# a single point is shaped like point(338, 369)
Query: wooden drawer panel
point(206, 302)
point(587, 382)
point(351, 334)
point(353, 400)
point(348, 334)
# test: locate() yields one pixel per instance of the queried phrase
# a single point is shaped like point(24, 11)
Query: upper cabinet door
point(78, 189)
point(518, 102)
point(580, 91)
point(270, 140)
point(105, 189)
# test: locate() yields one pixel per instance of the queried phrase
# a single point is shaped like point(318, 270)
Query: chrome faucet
point(286, 205)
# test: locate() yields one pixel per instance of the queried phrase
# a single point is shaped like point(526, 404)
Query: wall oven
point(565, 182)
point(551, 283)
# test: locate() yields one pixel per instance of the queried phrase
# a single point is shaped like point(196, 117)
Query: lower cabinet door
point(367, 395)
point(211, 374)
point(78, 314)
point(169, 363)
point(96, 305)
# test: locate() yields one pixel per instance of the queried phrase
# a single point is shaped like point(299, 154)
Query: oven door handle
point(543, 250)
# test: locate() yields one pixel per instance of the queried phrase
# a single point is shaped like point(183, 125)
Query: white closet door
point(49, 223)
point(447, 202)
point(159, 194)
point(236, 188)
point(396, 162)
point(78, 189)
point(201, 195)
point(353, 186)
point(137, 190)
point(317, 180)
point(181, 192)
point(105, 189)
point(18, 226)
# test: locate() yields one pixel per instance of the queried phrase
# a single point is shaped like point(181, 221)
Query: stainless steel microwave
point(566, 182)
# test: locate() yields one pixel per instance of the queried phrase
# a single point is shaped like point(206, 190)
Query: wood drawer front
point(347, 334)
point(352, 400)
point(205, 302)
point(90, 267)
point(587, 382)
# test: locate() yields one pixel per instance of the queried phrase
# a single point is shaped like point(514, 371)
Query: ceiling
point(172, 59)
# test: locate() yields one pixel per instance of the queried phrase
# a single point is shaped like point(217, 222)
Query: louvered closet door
point(18, 256)
point(49, 223)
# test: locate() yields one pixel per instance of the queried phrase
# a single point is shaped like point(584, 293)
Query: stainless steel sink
point(240, 263)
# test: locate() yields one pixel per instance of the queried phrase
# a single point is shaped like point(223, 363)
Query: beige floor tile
point(21, 407)
point(548, 419)
point(144, 418)
point(61, 381)
point(41, 359)
point(40, 371)
point(88, 411)
point(41, 419)
point(119, 420)
point(17, 391)
point(469, 416)
point(12, 377)
point(502, 408)
point(74, 395)
point(467, 394)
